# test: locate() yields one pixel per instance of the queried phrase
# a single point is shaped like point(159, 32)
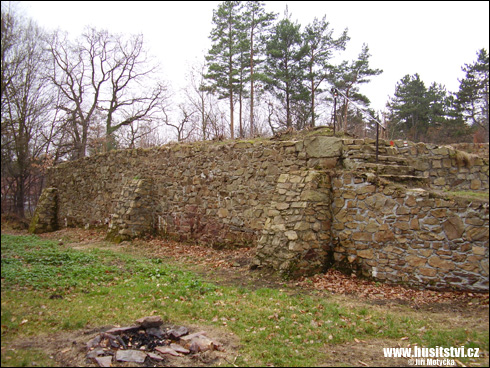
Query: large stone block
point(322, 146)
point(453, 227)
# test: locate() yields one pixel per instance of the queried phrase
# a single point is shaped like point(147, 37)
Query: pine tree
point(256, 21)
point(223, 70)
point(320, 45)
point(283, 74)
point(422, 114)
point(409, 108)
point(347, 78)
point(472, 97)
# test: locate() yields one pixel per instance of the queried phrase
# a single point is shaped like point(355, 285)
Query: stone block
point(478, 250)
point(475, 184)
point(366, 253)
point(321, 146)
point(427, 271)
point(291, 235)
point(453, 227)
point(223, 212)
point(477, 234)
point(415, 261)
point(384, 236)
point(314, 196)
point(443, 264)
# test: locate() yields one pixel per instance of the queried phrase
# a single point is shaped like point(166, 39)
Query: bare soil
point(232, 267)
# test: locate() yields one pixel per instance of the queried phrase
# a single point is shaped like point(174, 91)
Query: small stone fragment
point(105, 361)
point(94, 342)
point(95, 353)
point(155, 331)
point(176, 333)
point(191, 336)
point(179, 349)
point(119, 330)
point(155, 357)
point(151, 321)
point(167, 350)
point(200, 344)
point(135, 356)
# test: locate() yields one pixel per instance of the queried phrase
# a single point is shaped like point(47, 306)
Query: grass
point(469, 194)
point(101, 287)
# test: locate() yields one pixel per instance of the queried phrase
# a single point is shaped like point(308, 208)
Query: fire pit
point(147, 343)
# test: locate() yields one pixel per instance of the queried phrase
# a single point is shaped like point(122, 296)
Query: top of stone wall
point(479, 149)
point(316, 144)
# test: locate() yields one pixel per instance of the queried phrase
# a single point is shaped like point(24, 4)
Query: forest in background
point(63, 99)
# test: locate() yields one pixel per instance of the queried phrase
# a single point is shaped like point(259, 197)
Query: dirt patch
point(69, 349)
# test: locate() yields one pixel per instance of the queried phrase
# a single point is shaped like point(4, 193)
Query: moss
point(484, 196)
point(115, 237)
point(34, 223)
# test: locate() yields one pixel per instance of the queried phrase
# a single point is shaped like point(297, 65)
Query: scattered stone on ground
point(147, 340)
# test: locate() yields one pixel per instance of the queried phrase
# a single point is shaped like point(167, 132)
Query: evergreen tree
point(283, 74)
point(347, 78)
point(320, 45)
point(409, 108)
point(223, 69)
point(243, 67)
point(422, 114)
point(472, 97)
point(256, 21)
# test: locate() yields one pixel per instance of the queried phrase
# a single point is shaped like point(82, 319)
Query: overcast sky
point(433, 39)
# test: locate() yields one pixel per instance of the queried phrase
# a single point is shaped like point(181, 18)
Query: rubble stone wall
point(296, 237)
point(394, 234)
point(304, 203)
point(216, 193)
point(441, 167)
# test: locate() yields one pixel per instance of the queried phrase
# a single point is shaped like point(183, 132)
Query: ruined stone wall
point(215, 193)
point(305, 203)
point(438, 167)
point(479, 149)
point(296, 238)
point(395, 234)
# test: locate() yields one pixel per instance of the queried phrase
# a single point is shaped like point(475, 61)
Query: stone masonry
point(307, 204)
point(297, 232)
point(412, 236)
point(133, 215)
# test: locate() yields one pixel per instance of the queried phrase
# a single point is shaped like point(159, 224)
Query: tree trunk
point(312, 95)
point(232, 127)
point(252, 80)
point(19, 197)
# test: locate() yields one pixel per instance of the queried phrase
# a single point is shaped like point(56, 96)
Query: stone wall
point(439, 167)
point(296, 238)
point(395, 234)
point(45, 216)
point(291, 199)
point(479, 149)
point(134, 211)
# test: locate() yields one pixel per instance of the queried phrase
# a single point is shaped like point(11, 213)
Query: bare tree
point(138, 134)
point(26, 103)
point(185, 124)
point(201, 100)
point(104, 73)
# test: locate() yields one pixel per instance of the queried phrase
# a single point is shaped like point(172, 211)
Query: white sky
point(434, 39)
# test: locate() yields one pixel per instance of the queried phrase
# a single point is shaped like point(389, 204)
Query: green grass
point(100, 287)
point(470, 194)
